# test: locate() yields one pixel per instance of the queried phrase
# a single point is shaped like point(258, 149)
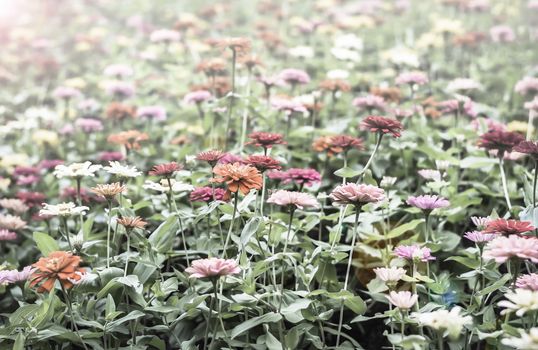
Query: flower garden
point(325, 174)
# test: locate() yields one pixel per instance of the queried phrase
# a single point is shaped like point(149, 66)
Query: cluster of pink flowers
point(298, 176)
point(207, 194)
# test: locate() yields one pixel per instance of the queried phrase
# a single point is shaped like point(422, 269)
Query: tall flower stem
point(109, 224)
point(232, 96)
point(427, 227)
point(66, 228)
point(70, 308)
point(262, 194)
point(211, 305)
point(128, 251)
point(292, 211)
point(516, 266)
point(180, 222)
point(369, 163)
point(503, 179)
point(414, 290)
point(348, 269)
point(229, 235)
point(244, 125)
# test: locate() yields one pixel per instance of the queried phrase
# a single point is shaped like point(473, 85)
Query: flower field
point(325, 174)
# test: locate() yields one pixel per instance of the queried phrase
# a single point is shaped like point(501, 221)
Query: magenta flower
point(13, 276)
point(6, 235)
point(502, 249)
point(291, 198)
point(157, 113)
point(49, 164)
point(480, 237)
point(229, 158)
point(294, 76)
point(428, 202)
point(206, 194)
point(414, 253)
point(299, 176)
point(355, 194)
point(197, 97)
point(529, 281)
point(111, 156)
point(212, 268)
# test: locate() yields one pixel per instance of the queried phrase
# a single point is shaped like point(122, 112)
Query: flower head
point(14, 276)
point(263, 163)
point(63, 209)
point(528, 281)
point(166, 169)
point(508, 227)
point(344, 143)
point(76, 170)
point(131, 222)
point(528, 147)
point(6, 235)
point(57, 266)
point(480, 222)
point(294, 76)
point(382, 125)
point(411, 78)
point(526, 341)
point(12, 222)
point(403, 300)
point(131, 139)
point(520, 301)
point(16, 205)
point(197, 97)
point(238, 177)
point(291, 198)
point(500, 141)
point(428, 202)
point(157, 113)
point(211, 156)
point(370, 102)
point(207, 194)
point(502, 249)
point(297, 175)
point(265, 139)
point(389, 275)
point(413, 252)
point(212, 268)
point(451, 321)
point(108, 191)
point(122, 171)
point(352, 193)
point(479, 236)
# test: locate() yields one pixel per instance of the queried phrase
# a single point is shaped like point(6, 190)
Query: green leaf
point(19, 342)
point(270, 317)
point(400, 230)
point(477, 162)
point(251, 227)
point(162, 239)
point(133, 315)
point(356, 304)
point(272, 343)
point(347, 172)
point(470, 263)
point(495, 286)
point(110, 307)
point(45, 243)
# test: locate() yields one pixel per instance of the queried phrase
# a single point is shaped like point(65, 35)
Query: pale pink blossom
point(13, 276)
point(411, 78)
point(502, 34)
point(196, 97)
point(413, 252)
point(212, 267)
point(528, 281)
point(294, 76)
point(389, 274)
point(403, 300)
point(480, 237)
point(157, 113)
point(292, 198)
point(6, 235)
point(369, 102)
point(481, 222)
point(164, 36)
point(527, 85)
point(502, 249)
point(428, 202)
point(352, 193)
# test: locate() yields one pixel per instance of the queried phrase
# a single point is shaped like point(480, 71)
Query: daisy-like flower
point(294, 76)
point(291, 198)
point(502, 34)
point(520, 301)
point(430, 174)
point(508, 227)
point(111, 156)
point(120, 111)
point(463, 85)
point(481, 222)
point(299, 176)
point(163, 186)
point(527, 85)
point(525, 341)
point(122, 171)
point(166, 170)
point(263, 163)
point(288, 106)
point(6, 235)
point(532, 105)
point(383, 125)
point(89, 125)
point(443, 320)
point(411, 78)
point(131, 222)
point(334, 85)
point(403, 300)
point(120, 88)
point(212, 268)
point(428, 202)
point(479, 236)
point(108, 191)
point(389, 275)
point(265, 139)
point(66, 92)
point(500, 141)
point(131, 139)
point(76, 170)
point(414, 253)
point(212, 156)
point(57, 266)
point(14, 276)
point(528, 281)
point(207, 194)
point(239, 45)
point(345, 143)
point(14, 204)
point(63, 209)
point(502, 249)
point(157, 113)
point(354, 194)
point(238, 177)
point(12, 222)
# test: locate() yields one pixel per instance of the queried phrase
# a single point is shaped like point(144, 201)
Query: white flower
point(120, 170)
point(389, 274)
point(63, 209)
point(348, 41)
point(463, 84)
point(521, 301)
point(76, 170)
point(452, 322)
point(430, 174)
point(345, 54)
point(527, 341)
point(442, 164)
point(163, 186)
point(301, 52)
point(387, 181)
point(338, 74)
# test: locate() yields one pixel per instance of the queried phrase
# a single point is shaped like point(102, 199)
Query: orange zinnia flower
point(238, 177)
point(130, 139)
point(59, 265)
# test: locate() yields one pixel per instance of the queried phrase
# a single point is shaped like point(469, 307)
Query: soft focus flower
point(414, 253)
point(352, 193)
point(479, 236)
point(16, 205)
point(508, 227)
point(411, 78)
point(387, 181)
point(527, 147)
point(427, 202)
point(131, 222)
point(14, 276)
point(263, 163)
point(265, 139)
point(211, 156)
point(166, 169)
point(66, 92)
point(452, 322)
point(163, 186)
point(520, 301)
point(6, 235)
point(344, 143)
point(108, 191)
point(299, 176)
point(111, 156)
point(122, 171)
point(120, 88)
point(164, 36)
point(369, 103)
point(89, 125)
point(130, 139)
point(463, 85)
point(12, 222)
point(500, 141)
point(382, 125)
point(118, 71)
point(294, 76)
point(292, 198)
point(57, 266)
point(237, 44)
point(430, 174)
point(288, 106)
point(502, 34)
point(238, 177)
point(527, 85)
point(206, 194)
point(76, 170)
point(532, 105)
point(502, 249)
point(526, 341)
point(528, 281)
point(481, 222)
point(403, 300)
point(212, 268)
point(63, 209)
point(157, 113)
point(197, 97)
point(389, 275)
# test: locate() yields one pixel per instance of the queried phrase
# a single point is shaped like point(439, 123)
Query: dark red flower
point(263, 163)
point(344, 143)
point(501, 141)
point(166, 169)
point(508, 227)
point(265, 139)
point(297, 175)
point(384, 125)
point(212, 156)
point(528, 147)
point(206, 194)
point(31, 199)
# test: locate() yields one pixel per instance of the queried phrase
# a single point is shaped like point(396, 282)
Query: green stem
point(369, 163)
point(292, 211)
point(66, 228)
point(503, 179)
point(229, 235)
point(109, 224)
point(70, 308)
point(128, 252)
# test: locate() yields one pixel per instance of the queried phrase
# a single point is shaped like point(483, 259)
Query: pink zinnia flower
point(502, 34)
point(389, 275)
point(152, 112)
point(370, 102)
point(111, 156)
point(502, 249)
point(206, 194)
point(527, 85)
point(120, 88)
point(265, 139)
point(228, 158)
point(480, 237)
point(294, 76)
point(532, 105)
point(481, 222)
point(118, 71)
point(299, 176)
point(352, 193)
point(50, 163)
point(403, 300)
point(508, 227)
point(66, 92)
point(6, 235)
point(212, 268)
point(13, 276)
point(382, 125)
point(529, 281)
point(291, 198)
point(166, 169)
point(164, 36)
point(288, 106)
point(89, 125)
point(428, 202)
point(197, 97)
point(411, 78)
point(413, 252)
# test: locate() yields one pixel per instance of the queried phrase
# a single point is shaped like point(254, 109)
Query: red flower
point(344, 143)
point(508, 227)
point(265, 139)
point(263, 163)
point(528, 147)
point(212, 156)
point(166, 169)
point(501, 141)
point(382, 125)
